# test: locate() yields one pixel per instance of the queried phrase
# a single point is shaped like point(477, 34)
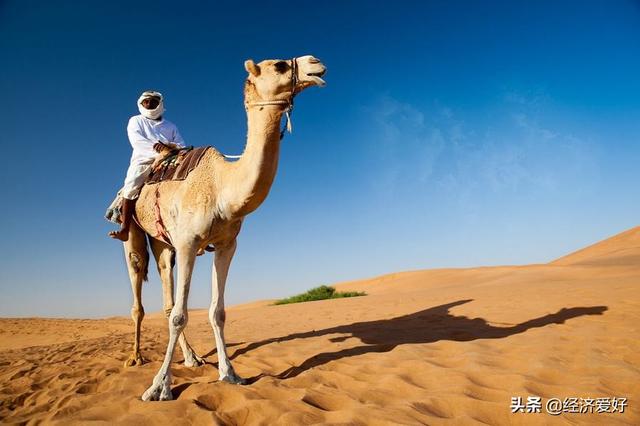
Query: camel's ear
point(251, 67)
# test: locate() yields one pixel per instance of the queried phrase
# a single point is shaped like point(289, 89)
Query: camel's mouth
point(310, 71)
point(316, 77)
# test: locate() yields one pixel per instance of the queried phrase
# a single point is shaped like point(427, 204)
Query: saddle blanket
point(177, 165)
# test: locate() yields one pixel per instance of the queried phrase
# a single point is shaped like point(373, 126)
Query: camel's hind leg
point(165, 256)
point(137, 258)
point(221, 262)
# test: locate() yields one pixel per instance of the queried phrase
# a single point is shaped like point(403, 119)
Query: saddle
point(176, 165)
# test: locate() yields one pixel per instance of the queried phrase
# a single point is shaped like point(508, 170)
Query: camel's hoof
point(160, 390)
point(193, 361)
point(134, 360)
point(234, 379)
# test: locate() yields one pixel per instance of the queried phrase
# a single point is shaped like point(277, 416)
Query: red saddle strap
point(160, 228)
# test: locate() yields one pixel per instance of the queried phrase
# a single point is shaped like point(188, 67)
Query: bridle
point(287, 102)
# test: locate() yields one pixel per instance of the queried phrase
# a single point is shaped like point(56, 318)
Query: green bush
point(319, 293)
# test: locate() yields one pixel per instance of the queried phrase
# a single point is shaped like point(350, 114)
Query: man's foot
point(127, 214)
point(122, 235)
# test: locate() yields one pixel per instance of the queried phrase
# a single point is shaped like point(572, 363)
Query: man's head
point(151, 105)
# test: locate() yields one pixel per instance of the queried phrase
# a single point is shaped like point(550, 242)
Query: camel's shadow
point(427, 326)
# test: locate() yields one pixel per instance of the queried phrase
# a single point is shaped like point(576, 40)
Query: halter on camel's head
point(277, 82)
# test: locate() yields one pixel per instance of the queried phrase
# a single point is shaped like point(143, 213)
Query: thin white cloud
point(407, 147)
point(515, 154)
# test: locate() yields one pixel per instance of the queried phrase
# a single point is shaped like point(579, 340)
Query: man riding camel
point(148, 133)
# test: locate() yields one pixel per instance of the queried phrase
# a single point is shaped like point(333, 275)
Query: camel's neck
point(256, 169)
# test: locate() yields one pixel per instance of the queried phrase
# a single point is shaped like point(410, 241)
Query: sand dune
point(424, 347)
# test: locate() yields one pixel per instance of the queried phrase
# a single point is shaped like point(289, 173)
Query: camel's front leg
point(164, 256)
point(221, 262)
point(160, 390)
point(137, 258)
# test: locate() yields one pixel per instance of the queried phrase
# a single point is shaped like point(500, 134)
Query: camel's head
point(276, 79)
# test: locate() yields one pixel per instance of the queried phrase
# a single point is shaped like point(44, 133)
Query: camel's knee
point(138, 262)
point(217, 317)
point(166, 261)
point(137, 313)
point(178, 321)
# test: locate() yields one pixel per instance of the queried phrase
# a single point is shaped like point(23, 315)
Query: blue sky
point(450, 134)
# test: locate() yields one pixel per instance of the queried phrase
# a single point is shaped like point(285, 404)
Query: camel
point(208, 207)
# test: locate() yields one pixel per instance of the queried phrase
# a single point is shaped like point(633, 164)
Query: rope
point(160, 228)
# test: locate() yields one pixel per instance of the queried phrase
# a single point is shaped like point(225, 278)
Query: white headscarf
point(152, 114)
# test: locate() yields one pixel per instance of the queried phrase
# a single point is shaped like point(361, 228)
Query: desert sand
point(447, 346)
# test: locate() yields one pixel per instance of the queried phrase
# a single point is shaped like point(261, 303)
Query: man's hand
point(160, 146)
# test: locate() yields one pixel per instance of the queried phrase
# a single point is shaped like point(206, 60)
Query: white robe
point(143, 134)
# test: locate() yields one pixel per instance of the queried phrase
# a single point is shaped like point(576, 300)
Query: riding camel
point(207, 209)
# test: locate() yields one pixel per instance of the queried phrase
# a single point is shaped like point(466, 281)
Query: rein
point(288, 103)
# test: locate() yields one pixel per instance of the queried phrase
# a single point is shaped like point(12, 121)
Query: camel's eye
point(281, 67)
